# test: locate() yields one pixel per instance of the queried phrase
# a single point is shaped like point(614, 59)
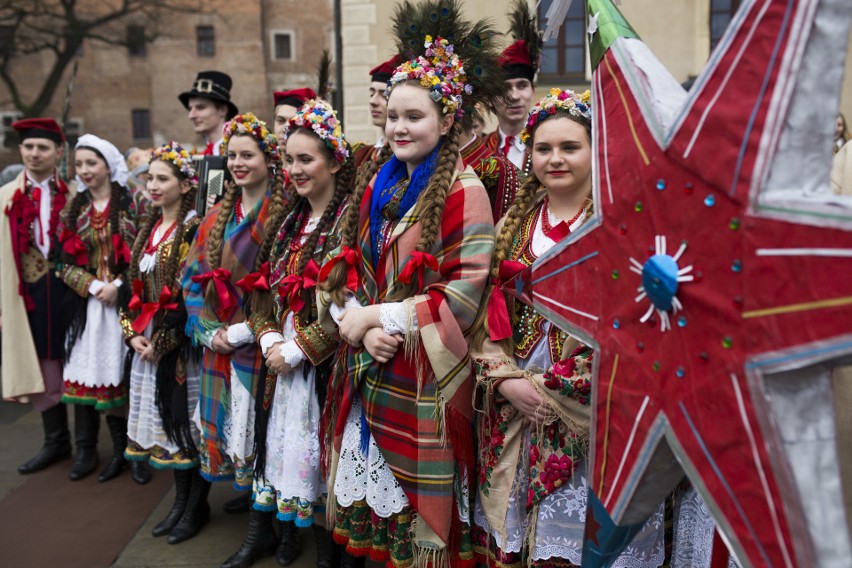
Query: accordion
point(212, 175)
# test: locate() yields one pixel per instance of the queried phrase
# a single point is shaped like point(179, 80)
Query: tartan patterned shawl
point(240, 246)
point(422, 420)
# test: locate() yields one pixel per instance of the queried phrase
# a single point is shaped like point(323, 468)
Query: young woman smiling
point(163, 368)
point(404, 287)
point(231, 243)
point(534, 379)
point(288, 479)
point(99, 228)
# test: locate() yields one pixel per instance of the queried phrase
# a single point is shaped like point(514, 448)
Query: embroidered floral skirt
point(293, 482)
point(93, 370)
point(559, 528)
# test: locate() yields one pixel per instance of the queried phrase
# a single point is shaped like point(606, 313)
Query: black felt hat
point(213, 85)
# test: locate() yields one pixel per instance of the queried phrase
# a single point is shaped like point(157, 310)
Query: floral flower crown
point(248, 123)
point(173, 153)
point(319, 118)
point(440, 71)
point(556, 100)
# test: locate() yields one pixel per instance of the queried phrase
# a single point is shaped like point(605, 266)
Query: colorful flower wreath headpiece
point(440, 71)
point(173, 153)
point(318, 117)
point(249, 124)
point(556, 100)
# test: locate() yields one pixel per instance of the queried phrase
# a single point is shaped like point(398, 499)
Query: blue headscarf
point(392, 172)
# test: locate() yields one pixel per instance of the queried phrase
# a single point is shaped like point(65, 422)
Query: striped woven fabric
point(418, 405)
point(238, 253)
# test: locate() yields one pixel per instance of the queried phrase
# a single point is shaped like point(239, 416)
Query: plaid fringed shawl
point(240, 246)
point(422, 420)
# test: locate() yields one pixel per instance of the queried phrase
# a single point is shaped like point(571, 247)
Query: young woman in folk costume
point(533, 379)
point(288, 479)
point(227, 247)
point(99, 228)
point(404, 287)
point(163, 368)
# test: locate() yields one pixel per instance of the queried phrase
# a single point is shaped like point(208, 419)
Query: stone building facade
point(131, 98)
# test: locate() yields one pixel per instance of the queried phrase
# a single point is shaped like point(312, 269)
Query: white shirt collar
point(518, 145)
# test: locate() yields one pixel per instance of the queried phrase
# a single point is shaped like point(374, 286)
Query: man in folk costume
point(31, 293)
point(287, 103)
point(498, 175)
point(520, 63)
point(209, 107)
point(379, 77)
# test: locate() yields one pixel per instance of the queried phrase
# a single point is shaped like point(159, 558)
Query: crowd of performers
point(332, 336)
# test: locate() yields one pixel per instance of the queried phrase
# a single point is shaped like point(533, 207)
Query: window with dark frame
point(564, 57)
point(205, 37)
point(141, 121)
point(283, 44)
point(721, 14)
point(136, 41)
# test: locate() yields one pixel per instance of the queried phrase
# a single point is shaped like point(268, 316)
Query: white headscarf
point(115, 161)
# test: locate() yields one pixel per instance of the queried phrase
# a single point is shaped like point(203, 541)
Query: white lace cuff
point(398, 317)
point(116, 282)
point(96, 286)
point(269, 339)
point(337, 311)
point(292, 353)
point(240, 334)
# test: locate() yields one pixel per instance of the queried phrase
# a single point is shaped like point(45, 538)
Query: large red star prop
point(689, 291)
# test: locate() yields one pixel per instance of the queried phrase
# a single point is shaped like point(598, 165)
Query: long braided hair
point(451, 42)
point(525, 201)
point(168, 338)
point(262, 304)
point(430, 206)
point(317, 119)
point(248, 125)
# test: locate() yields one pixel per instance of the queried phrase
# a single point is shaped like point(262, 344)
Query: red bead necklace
point(546, 227)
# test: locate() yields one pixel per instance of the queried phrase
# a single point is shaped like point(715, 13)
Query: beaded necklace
point(546, 227)
point(99, 219)
point(150, 246)
point(239, 215)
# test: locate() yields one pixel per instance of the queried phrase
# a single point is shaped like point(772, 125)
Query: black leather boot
point(241, 504)
point(349, 561)
point(57, 440)
point(118, 432)
point(139, 472)
point(259, 542)
point(87, 422)
point(197, 512)
point(289, 547)
point(183, 481)
point(328, 551)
